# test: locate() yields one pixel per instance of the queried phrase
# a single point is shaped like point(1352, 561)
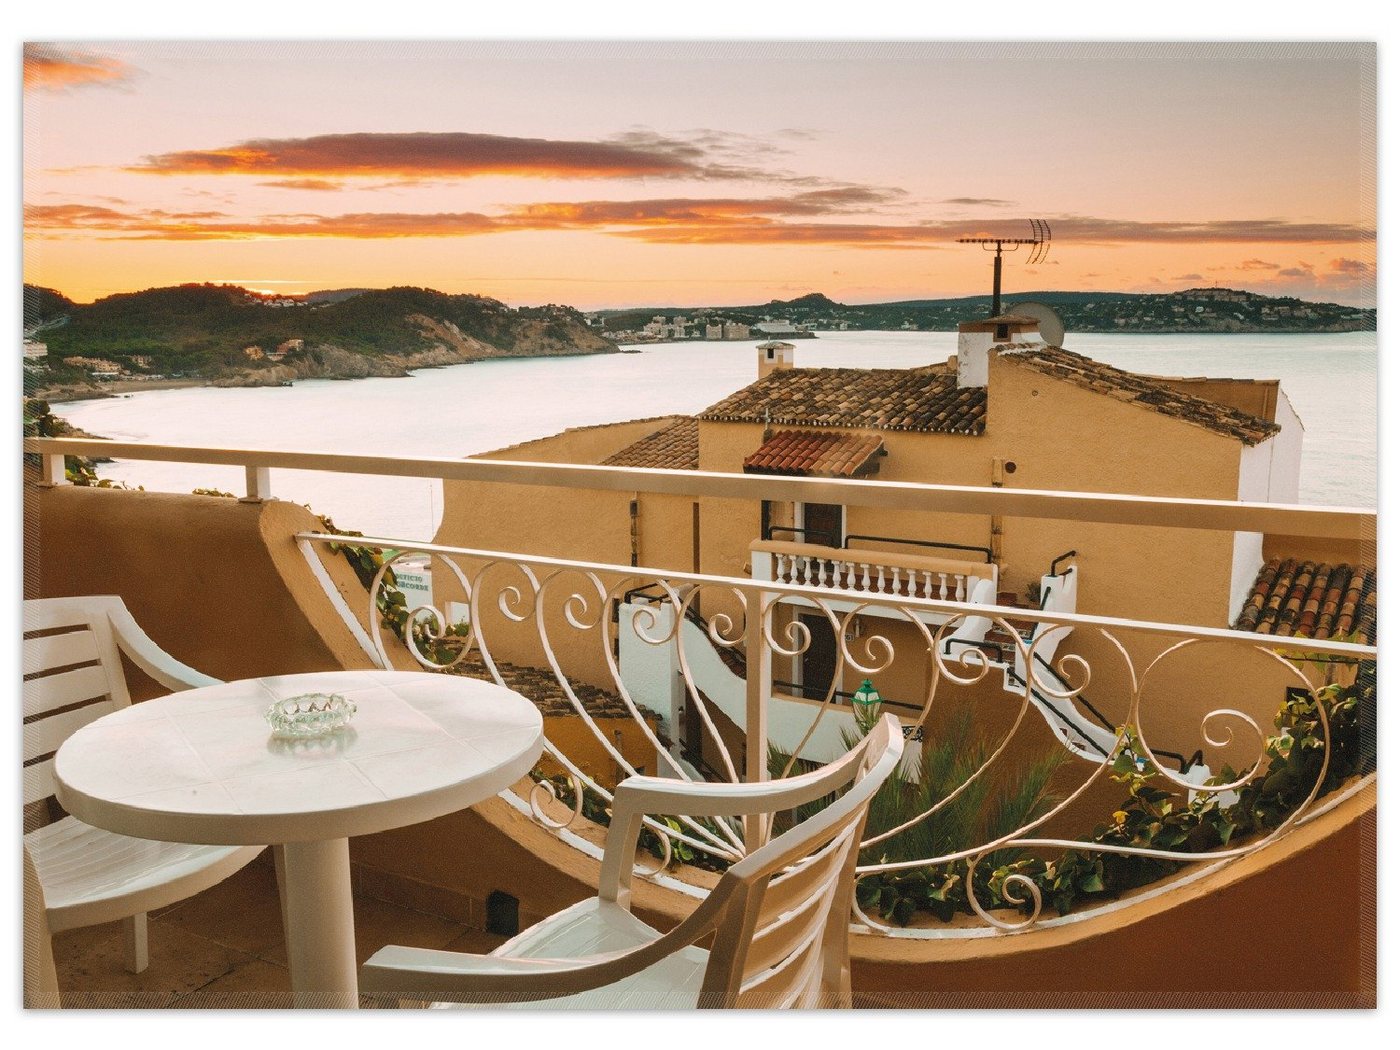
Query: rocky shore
point(450, 347)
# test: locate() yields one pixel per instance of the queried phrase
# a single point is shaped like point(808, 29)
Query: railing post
point(259, 480)
point(52, 471)
point(758, 681)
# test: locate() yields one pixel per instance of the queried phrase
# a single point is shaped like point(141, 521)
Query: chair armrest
point(701, 798)
point(458, 977)
point(151, 658)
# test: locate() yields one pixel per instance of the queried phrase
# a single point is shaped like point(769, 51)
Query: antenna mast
point(1039, 240)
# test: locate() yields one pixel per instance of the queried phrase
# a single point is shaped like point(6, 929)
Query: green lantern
point(865, 705)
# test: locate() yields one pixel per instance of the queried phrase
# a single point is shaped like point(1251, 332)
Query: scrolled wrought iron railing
point(564, 609)
point(571, 610)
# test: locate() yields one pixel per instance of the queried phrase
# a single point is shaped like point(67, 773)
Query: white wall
point(972, 358)
point(1286, 452)
point(1256, 469)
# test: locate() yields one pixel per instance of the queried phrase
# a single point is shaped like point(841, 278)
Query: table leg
point(320, 925)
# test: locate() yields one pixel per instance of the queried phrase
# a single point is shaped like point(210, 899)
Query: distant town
point(1193, 310)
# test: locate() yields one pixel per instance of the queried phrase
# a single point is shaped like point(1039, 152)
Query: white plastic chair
point(780, 916)
point(73, 676)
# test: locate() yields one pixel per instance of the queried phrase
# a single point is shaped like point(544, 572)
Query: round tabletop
point(203, 766)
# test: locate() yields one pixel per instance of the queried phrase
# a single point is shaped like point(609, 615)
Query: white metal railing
point(566, 607)
point(868, 571)
point(1348, 523)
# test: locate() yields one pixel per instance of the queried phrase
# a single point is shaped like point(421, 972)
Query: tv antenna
point(1039, 240)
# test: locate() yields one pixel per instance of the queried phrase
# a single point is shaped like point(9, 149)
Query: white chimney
point(976, 339)
point(773, 356)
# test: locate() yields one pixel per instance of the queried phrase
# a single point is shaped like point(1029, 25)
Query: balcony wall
point(222, 586)
point(217, 583)
point(1292, 926)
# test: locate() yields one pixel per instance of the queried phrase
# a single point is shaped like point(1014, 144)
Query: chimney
point(773, 356)
point(976, 339)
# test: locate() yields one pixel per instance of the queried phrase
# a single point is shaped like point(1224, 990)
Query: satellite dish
point(1052, 329)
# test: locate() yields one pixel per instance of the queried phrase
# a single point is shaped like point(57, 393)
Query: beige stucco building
point(1008, 410)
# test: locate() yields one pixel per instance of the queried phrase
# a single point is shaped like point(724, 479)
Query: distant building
point(735, 330)
point(34, 349)
point(98, 366)
point(775, 328)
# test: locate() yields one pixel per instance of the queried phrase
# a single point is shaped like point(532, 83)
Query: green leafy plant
point(988, 808)
point(596, 809)
point(1152, 817)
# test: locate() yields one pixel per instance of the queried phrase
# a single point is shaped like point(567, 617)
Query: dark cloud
point(1351, 267)
point(1239, 231)
point(1188, 277)
point(53, 67)
point(706, 154)
point(1065, 228)
point(1296, 271)
point(1258, 264)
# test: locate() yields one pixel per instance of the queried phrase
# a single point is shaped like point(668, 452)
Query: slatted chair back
point(72, 676)
point(784, 941)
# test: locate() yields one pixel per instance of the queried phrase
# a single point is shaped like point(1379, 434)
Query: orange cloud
point(723, 220)
point(188, 226)
point(50, 67)
point(713, 210)
point(304, 184)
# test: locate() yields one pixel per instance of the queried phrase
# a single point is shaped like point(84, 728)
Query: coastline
point(67, 394)
point(64, 395)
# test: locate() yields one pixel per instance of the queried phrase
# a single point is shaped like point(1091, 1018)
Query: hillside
point(227, 335)
point(1193, 310)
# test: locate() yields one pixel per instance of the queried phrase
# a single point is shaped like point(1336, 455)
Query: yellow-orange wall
point(1058, 435)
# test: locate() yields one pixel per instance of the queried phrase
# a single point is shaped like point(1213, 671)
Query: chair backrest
point(72, 676)
point(784, 941)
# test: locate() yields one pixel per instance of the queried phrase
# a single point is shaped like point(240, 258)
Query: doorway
point(818, 665)
point(822, 523)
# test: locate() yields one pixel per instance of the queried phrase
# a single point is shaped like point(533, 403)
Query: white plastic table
point(203, 766)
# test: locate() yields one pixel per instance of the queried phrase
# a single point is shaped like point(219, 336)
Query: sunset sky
point(698, 173)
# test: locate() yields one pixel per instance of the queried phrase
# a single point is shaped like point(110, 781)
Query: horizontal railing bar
point(1355, 523)
point(775, 587)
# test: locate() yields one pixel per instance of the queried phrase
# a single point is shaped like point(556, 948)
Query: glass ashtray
point(310, 714)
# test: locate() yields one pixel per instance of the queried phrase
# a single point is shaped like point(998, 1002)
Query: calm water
point(468, 409)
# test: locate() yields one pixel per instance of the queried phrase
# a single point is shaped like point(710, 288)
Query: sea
point(464, 410)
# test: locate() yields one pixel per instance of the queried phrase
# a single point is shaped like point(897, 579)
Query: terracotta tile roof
point(925, 399)
point(1308, 599)
point(808, 453)
point(675, 446)
point(1132, 388)
point(573, 430)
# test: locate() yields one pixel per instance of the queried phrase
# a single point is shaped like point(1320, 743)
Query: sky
point(727, 172)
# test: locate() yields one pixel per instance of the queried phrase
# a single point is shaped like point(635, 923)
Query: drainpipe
point(635, 528)
point(998, 479)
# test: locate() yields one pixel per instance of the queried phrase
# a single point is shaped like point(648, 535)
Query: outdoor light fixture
point(865, 705)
